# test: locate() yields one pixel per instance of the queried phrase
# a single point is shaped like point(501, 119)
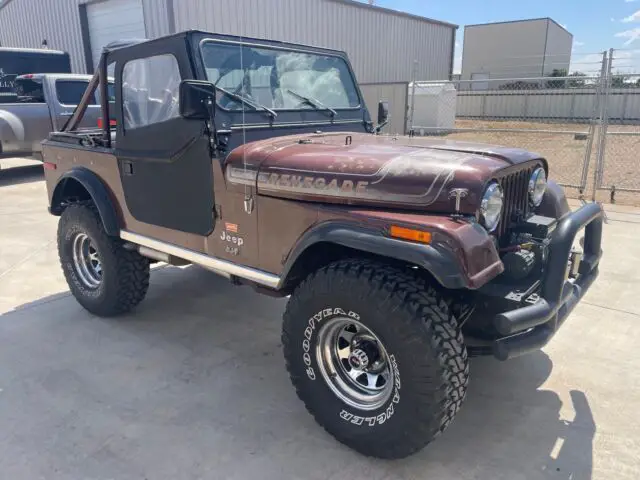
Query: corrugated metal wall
point(156, 17)
point(504, 50)
point(396, 95)
point(572, 104)
point(25, 23)
point(381, 46)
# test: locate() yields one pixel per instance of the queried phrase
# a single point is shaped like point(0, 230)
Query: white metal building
point(382, 44)
point(518, 49)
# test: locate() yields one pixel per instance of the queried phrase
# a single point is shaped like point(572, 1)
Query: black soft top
point(195, 36)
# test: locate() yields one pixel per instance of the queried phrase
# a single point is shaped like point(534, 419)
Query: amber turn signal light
point(410, 234)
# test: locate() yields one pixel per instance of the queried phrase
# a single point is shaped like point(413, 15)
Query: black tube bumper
point(529, 328)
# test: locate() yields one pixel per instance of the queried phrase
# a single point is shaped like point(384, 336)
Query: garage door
point(114, 20)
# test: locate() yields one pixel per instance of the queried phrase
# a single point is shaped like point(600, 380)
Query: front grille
point(515, 188)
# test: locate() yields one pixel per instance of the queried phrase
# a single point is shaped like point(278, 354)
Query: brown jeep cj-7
point(258, 160)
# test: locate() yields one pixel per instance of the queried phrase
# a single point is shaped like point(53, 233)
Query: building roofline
point(4, 4)
point(366, 6)
point(353, 3)
point(520, 21)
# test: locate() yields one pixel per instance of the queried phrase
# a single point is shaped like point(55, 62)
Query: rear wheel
point(375, 354)
point(102, 275)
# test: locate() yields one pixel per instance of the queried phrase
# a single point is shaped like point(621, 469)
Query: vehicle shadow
point(197, 369)
point(18, 175)
point(511, 425)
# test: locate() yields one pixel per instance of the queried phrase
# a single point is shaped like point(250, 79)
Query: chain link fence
point(618, 173)
point(556, 117)
point(586, 126)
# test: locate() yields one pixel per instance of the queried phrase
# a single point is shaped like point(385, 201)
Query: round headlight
point(491, 207)
point(537, 186)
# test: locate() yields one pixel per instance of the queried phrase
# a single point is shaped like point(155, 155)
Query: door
point(164, 160)
point(114, 20)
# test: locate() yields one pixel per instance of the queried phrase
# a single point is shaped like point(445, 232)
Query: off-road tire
point(125, 273)
point(413, 321)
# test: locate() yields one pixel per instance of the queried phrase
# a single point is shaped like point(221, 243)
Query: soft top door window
point(150, 91)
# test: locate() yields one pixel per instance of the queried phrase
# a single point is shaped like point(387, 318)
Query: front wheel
point(376, 356)
point(103, 276)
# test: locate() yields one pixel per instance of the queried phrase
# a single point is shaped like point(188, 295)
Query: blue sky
point(596, 25)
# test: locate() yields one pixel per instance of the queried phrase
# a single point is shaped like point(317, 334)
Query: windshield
point(279, 79)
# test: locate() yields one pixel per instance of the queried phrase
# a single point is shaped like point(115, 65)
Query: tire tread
point(426, 304)
point(132, 269)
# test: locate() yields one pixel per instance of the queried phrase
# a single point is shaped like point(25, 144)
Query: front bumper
point(530, 327)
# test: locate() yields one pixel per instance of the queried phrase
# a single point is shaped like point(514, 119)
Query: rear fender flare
point(438, 260)
point(96, 190)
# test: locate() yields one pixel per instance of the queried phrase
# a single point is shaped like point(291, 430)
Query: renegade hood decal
point(367, 169)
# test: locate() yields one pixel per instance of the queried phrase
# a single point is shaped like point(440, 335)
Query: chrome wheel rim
point(354, 363)
point(86, 261)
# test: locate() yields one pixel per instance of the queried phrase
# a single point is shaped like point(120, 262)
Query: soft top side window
point(150, 91)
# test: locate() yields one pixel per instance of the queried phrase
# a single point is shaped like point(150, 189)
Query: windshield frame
point(298, 49)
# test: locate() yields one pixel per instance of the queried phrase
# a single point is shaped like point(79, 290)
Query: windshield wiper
point(246, 101)
point(314, 102)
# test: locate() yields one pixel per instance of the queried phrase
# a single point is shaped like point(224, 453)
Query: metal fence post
point(594, 121)
point(414, 74)
point(604, 122)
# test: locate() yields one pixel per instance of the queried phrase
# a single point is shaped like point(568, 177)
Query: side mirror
point(383, 115)
point(383, 112)
point(197, 98)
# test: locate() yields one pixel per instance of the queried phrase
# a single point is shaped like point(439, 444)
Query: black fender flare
point(98, 193)
point(554, 202)
point(439, 260)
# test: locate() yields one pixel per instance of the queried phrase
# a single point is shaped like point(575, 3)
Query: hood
point(361, 169)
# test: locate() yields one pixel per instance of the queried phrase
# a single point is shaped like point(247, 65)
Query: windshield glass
point(278, 79)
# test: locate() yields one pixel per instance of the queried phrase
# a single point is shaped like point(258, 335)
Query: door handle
point(127, 168)
point(66, 114)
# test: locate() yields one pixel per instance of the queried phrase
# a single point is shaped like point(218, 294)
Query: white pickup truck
point(44, 104)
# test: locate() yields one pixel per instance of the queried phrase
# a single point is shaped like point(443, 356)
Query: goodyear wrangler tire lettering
point(408, 322)
point(308, 333)
point(386, 415)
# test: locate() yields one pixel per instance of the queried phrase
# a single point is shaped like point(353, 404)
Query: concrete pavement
point(193, 386)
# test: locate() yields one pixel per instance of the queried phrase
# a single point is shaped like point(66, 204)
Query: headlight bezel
point(493, 192)
point(535, 194)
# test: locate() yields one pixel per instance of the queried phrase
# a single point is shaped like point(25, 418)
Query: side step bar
point(214, 264)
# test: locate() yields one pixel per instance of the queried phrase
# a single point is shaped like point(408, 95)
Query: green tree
point(557, 72)
point(578, 82)
point(618, 81)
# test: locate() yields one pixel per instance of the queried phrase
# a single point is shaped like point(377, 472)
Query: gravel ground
point(566, 152)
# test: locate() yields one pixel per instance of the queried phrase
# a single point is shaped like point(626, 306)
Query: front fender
point(437, 259)
point(96, 190)
point(554, 202)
